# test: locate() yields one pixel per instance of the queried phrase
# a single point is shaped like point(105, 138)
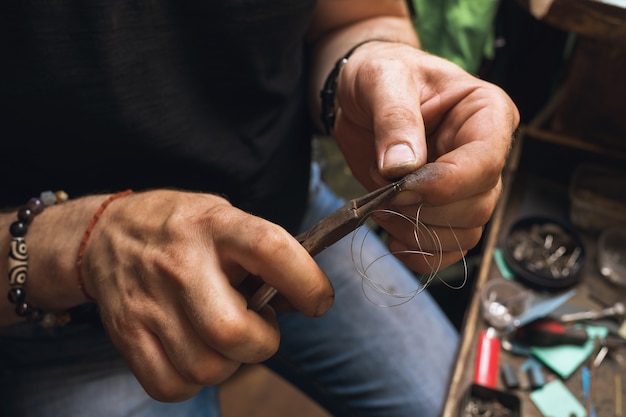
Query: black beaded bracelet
point(327, 94)
point(18, 252)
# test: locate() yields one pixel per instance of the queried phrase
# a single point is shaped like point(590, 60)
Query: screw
point(618, 309)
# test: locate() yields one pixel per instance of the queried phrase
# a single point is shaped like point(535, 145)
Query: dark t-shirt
point(99, 96)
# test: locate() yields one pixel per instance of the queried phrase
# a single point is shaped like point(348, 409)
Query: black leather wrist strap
point(327, 94)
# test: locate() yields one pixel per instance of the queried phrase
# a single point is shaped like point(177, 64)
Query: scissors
point(332, 228)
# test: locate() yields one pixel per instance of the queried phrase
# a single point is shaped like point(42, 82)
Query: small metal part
point(547, 243)
point(600, 356)
point(540, 308)
point(476, 407)
point(573, 258)
point(545, 252)
point(617, 310)
point(557, 254)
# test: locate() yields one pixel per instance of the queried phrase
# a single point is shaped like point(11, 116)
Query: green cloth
point(461, 31)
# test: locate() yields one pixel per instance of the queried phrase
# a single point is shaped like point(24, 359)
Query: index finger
point(469, 146)
point(273, 255)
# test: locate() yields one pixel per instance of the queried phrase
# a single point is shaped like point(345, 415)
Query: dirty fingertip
point(398, 160)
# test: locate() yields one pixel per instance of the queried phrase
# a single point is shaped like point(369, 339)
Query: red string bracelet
point(85, 239)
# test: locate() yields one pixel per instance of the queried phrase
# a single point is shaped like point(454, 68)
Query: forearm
point(340, 25)
point(52, 239)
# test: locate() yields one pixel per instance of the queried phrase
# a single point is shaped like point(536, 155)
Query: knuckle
point(232, 334)
point(235, 336)
point(398, 116)
point(271, 240)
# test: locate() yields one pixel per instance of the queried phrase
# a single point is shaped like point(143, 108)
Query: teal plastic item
point(555, 400)
point(565, 359)
point(461, 31)
point(505, 271)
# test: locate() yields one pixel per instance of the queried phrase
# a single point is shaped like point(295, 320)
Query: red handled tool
point(545, 332)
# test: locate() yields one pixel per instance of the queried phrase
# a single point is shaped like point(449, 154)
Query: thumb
point(399, 133)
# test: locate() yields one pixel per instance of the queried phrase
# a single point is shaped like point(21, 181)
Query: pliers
point(332, 228)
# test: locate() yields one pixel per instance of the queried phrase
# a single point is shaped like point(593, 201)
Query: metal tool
point(332, 228)
point(546, 332)
point(618, 309)
point(604, 350)
point(501, 313)
point(589, 378)
point(539, 308)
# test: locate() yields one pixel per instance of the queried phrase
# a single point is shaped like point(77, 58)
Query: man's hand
point(399, 108)
point(164, 267)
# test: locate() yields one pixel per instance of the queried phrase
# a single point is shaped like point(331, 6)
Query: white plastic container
point(612, 255)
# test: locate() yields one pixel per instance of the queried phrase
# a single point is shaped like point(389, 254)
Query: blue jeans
point(359, 359)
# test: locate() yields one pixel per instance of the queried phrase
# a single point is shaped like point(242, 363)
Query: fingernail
point(398, 155)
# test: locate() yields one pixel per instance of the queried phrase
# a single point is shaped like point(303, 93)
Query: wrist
point(55, 242)
point(85, 239)
point(53, 239)
point(329, 89)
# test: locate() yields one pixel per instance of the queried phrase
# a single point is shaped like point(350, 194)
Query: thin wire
point(424, 280)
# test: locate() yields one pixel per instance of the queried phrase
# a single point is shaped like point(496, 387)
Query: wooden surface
point(535, 186)
point(586, 116)
point(589, 18)
point(459, 382)
point(593, 93)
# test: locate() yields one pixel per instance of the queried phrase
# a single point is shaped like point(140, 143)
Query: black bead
point(17, 295)
point(18, 229)
point(36, 205)
point(22, 309)
point(26, 215)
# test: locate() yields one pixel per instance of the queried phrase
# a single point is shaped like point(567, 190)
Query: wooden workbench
point(532, 189)
point(583, 122)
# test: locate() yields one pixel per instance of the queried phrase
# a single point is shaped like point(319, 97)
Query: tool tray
point(481, 401)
